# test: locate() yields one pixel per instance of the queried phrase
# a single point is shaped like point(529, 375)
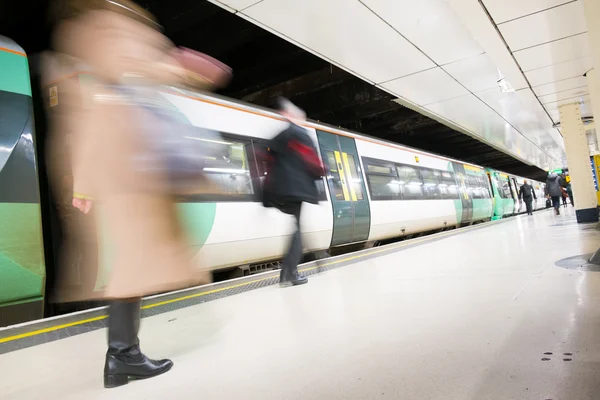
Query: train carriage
point(373, 190)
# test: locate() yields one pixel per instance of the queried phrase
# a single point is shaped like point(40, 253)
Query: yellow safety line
point(340, 169)
point(50, 329)
point(191, 296)
point(350, 177)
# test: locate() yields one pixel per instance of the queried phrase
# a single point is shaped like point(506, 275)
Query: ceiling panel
point(552, 53)
point(505, 10)
point(476, 73)
point(556, 23)
point(565, 95)
point(355, 38)
point(524, 112)
point(474, 115)
point(426, 87)
point(559, 72)
point(238, 4)
point(555, 115)
point(585, 100)
point(559, 86)
point(431, 25)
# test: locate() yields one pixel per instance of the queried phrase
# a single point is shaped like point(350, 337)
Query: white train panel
point(389, 218)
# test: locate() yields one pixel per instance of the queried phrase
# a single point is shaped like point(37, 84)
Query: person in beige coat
point(140, 237)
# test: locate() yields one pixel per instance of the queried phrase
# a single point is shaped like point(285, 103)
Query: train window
point(230, 170)
point(485, 187)
point(356, 176)
point(504, 188)
point(478, 186)
point(334, 176)
point(382, 180)
point(448, 187)
point(384, 187)
point(380, 169)
point(431, 182)
point(472, 186)
point(410, 179)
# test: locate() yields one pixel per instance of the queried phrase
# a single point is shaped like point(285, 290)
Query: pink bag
point(208, 68)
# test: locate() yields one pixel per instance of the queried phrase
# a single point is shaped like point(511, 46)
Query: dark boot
point(124, 359)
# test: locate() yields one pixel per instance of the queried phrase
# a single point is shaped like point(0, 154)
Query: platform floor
point(466, 317)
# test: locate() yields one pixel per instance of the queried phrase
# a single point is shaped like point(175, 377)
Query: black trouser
point(529, 204)
point(123, 327)
point(289, 270)
point(556, 202)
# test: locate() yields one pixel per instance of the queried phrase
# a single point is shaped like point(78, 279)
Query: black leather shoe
point(120, 368)
point(299, 280)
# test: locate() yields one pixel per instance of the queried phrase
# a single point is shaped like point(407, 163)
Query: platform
point(468, 314)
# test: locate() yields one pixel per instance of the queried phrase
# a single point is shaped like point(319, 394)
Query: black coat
point(294, 166)
point(526, 192)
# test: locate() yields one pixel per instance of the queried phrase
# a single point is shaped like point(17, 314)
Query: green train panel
point(22, 267)
point(504, 203)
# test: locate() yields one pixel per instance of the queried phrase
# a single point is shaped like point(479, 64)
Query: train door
point(467, 201)
point(351, 213)
point(515, 193)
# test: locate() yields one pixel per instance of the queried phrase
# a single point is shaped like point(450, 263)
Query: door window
point(353, 177)
point(335, 176)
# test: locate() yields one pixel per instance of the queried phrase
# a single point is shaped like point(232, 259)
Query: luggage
point(548, 203)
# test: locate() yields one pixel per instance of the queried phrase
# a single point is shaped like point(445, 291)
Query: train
point(374, 190)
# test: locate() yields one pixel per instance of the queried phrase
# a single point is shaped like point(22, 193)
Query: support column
point(592, 19)
point(578, 161)
point(594, 89)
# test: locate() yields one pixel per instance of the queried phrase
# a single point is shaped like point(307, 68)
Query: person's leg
point(289, 272)
point(529, 205)
point(124, 359)
point(556, 204)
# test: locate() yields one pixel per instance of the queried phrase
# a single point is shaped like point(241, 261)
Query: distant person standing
point(294, 166)
point(570, 193)
point(553, 191)
point(564, 196)
point(527, 194)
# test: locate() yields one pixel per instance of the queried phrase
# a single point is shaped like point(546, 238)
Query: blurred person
point(141, 238)
point(570, 193)
point(293, 169)
point(553, 191)
point(564, 196)
point(527, 194)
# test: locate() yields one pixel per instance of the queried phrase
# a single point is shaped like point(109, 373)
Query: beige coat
point(139, 235)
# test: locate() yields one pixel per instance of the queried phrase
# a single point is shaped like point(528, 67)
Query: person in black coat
point(293, 167)
point(527, 194)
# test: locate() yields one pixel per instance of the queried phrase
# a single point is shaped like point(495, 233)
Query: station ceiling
point(266, 66)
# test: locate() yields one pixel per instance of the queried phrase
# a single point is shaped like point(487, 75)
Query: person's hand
point(83, 205)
